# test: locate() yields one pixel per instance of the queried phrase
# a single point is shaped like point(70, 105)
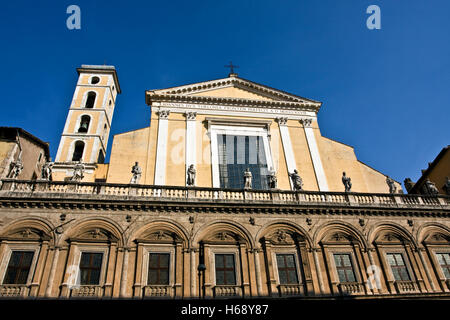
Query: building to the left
point(22, 155)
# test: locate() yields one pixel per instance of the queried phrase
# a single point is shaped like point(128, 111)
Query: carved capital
point(191, 115)
point(282, 121)
point(163, 114)
point(306, 122)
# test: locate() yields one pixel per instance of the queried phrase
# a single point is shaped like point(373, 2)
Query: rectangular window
point(236, 154)
point(90, 268)
point(287, 271)
point(444, 262)
point(158, 268)
point(398, 267)
point(225, 269)
point(344, 267)
point(18, 267)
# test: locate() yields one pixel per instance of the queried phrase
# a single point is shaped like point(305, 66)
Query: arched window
point(84, 123)
point(101, 157)
point(90, 99)
point(95, 80)
point(78, 151)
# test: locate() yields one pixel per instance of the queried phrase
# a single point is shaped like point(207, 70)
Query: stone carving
point(136, 171)
point(78, 172)
point(446, 186)
point(282, 121)
point(191, 173)
point(347, 182)
point(247, 179)
point(191, 115)
point(272, 180)
point(161, 235)
point(164, 114)
point(296, 180)
point(408, 184)
point(16, 169)
point(430, 188)
point(391, 183)
point(47, 171)
point(306, 122)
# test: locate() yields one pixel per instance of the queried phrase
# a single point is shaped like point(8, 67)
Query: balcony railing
point(87, 291)
point(290, 290)
point(14, 290)
point(39, 188)
point(351, 288)
point(406, 286)
point(158, 291)
point(227, 291)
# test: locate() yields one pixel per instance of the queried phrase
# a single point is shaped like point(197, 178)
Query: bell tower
point(86, 131)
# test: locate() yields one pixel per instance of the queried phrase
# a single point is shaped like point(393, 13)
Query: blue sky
point(384, 92)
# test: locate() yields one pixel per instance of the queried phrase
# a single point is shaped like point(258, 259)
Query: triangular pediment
point(232, 88)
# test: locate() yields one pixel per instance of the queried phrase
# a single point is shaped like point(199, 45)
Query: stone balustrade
point(14, 291)
point(161, 291)
point(87, 291)
point(54, 189)
point(406, 286)
point(227, 291)
point(351, 288)
point(290, 290)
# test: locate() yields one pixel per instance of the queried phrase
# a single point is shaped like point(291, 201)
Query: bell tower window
point(78, 151)
point(90, 99)
point(84, 124)
point(95, 80)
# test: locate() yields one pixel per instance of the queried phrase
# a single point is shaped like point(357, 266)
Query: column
point(51, 277)
point(287, 147)
point(191, 148)
point(65, 290)
point(315, 155)
point(110, 270)
point(427, 272)
point(43, 252)
point(138, 278)
point(193, 273)
point(123, 284)
point(272, 282)
point(258, 271)
point(161, 148)
point(318, 271)
point(244, 269)
point(178, 269)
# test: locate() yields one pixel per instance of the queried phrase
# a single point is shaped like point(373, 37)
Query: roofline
point(101, 69)
point(243, 79)
point(45, 145)
point(430, 167)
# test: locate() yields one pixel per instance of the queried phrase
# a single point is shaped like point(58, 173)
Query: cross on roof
point(231, 66)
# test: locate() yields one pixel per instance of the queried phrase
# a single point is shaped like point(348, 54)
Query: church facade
point(230, 192)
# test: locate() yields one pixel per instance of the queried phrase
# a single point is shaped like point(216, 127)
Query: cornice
point(178, 98)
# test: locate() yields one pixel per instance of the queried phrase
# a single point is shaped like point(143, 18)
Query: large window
point(225, 269)
point(158, 270)
point(344, 267)
point(18, 267)
point(398, 267)
point(236, 154)
point(84, 124)
point(444, 262)
point(287, 271)
point(90, 268)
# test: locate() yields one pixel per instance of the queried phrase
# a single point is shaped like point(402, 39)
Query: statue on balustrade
point(296, 180)
point(16, 169)
point(409, 184)
point(47, 171)
point(272, 180)
point(78, 172)
point(430, 188)
point(347, 181)
point(247, 179)
point(136, 172)
point(191, 173)
point(391, 183)
point(446, 186)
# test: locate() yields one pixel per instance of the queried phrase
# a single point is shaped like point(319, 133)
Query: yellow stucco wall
point(128, 148)
point(175, 157)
